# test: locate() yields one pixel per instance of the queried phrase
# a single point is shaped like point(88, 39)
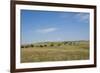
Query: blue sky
point(41, 26)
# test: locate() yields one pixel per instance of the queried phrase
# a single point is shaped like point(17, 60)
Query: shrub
point(26, 46)
point(70, 43)
point(41, 45)
point(52, 45)
point(65, 43)
point(22, 46)
point(31, 45)
point(45, 45)
point(59, 44)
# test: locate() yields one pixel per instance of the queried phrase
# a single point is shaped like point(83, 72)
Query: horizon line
point(51, 41)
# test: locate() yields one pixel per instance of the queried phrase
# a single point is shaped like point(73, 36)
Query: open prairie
point(54, 35)
point(55, 51)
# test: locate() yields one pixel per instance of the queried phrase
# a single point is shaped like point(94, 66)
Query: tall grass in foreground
point(55, 52)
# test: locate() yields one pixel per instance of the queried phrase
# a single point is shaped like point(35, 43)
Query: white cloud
point(82, 16)
point(46, 30)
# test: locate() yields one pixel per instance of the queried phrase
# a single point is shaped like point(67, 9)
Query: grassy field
point(55, 51)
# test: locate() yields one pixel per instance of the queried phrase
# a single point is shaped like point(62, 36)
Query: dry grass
point(55, 53)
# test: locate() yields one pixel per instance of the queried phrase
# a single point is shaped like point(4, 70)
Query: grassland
point(55, 51)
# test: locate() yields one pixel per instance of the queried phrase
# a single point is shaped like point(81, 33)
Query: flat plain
point(55, 51)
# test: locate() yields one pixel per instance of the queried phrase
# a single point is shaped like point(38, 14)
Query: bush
point(22, 46)
point(41, 45)
point(26, 46)
point(59, 44)
point(70, 43)
point(52, 45)
point(65, 43)
point(45, 45)
point(31, 45)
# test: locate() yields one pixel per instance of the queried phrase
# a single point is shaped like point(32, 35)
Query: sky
point(42, 26)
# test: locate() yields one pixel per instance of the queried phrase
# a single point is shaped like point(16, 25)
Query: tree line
point(50, 45)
